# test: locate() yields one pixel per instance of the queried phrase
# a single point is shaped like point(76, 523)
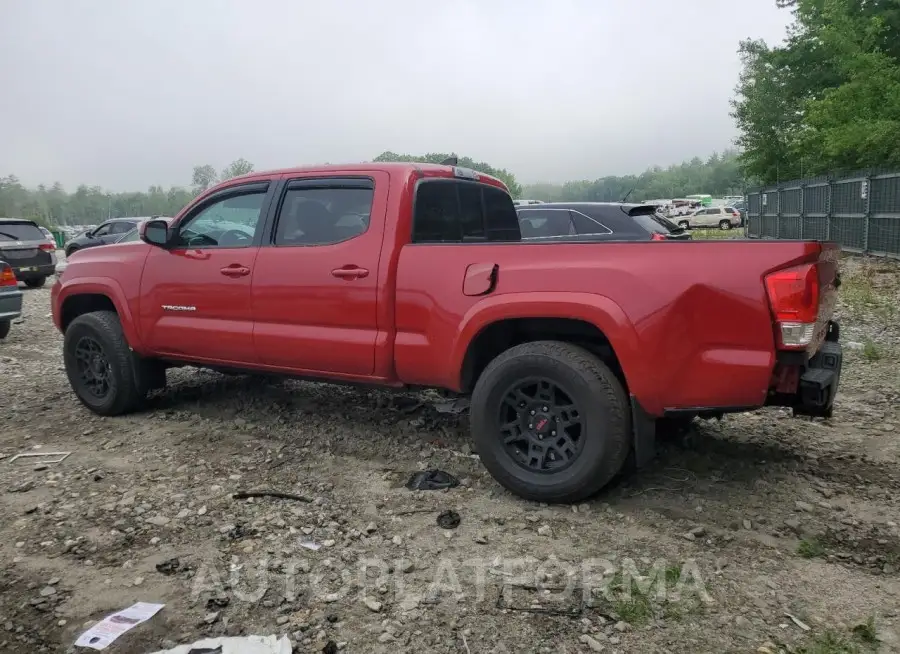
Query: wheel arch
point(592, 321)
point(97, 294)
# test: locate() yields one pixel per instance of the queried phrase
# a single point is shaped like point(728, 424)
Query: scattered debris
point(310, 545)
point(169, 566)
point(534, 605)
point(102, 634)
point(235, 645)
point(448, 519)
point(60, 456)
point(457, 406)
point(243, 495)
point(432, 480)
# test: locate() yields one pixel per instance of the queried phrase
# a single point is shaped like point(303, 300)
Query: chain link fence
point(861, 211)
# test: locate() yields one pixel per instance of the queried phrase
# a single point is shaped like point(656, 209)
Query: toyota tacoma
point(416, 275)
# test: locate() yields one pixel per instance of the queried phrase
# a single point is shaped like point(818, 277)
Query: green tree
point(236, 168)
point(515, 189)
point(203, 177)
point(829, 97)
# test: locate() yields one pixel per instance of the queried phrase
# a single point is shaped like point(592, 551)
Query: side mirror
point(155, 232)
point(89, 233)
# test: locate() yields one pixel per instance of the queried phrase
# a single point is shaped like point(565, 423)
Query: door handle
point(235, 270)
point(350, 272)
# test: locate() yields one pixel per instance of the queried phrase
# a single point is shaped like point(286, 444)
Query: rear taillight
point(7, 278)
point(48, 247)
point(794, 297)
point(656, 236)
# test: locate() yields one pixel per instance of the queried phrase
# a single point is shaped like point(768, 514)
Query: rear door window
point(450, 211)
point(587, 225)
point(23, 231)
point(544, 223)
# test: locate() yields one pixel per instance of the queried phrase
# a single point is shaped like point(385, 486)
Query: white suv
point(721, 217)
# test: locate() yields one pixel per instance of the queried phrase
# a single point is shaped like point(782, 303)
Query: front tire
point(684, 224)
point(101, 368)
point(5, 326)
point(551, 422)
point(35, 282)
point(724, 224)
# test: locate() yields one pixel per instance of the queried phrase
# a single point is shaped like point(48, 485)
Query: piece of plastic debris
point(310, 545)
point(797, 621)
point(432, 480)
point(457, 406)
point(102, 634)
point(235, 645)
point(60, 456)
point(448, 519)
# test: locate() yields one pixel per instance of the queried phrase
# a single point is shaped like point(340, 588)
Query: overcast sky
point(129, 93)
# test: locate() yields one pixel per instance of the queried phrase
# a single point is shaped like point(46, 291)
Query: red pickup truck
point(414, 275)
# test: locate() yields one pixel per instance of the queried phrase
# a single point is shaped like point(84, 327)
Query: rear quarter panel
point(689, 321)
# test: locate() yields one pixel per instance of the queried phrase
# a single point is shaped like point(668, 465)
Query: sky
point(126, 94)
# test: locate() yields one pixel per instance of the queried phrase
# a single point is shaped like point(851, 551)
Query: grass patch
point(673, 575)
point(866, 632)
point(860, 293)
point(699, 234)
point(830, 642)
point(810, 548)
point(870, 352)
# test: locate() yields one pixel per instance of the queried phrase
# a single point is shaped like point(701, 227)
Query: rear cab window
point(20, 231)
point(459, 211)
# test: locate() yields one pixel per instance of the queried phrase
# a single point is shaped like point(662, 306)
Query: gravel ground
point(757, 533)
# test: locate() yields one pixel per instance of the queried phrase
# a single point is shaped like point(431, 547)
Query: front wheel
point(551, 421)
point(35, 282)
point(725, 224)
point(101, 368)
point(5, 326)
point(684, 224)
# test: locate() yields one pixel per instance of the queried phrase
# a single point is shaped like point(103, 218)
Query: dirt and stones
point(761, 523)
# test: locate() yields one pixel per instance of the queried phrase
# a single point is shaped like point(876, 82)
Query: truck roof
point(399, 167)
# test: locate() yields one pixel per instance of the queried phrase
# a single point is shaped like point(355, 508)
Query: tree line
point(719, 175)
point(53, 206)
point(827, 99)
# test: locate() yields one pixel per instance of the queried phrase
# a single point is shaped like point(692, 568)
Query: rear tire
point(575, 461)
point(35, 282)
point(684, 224)
point(102, 370)
point(724, 224)
point(5, 326)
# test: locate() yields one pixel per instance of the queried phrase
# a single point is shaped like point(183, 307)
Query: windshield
point(20, 232)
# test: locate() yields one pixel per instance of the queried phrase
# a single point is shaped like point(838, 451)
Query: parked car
point(416, 275)
point(30, 255)
point(597, 221)
point(104, 234)
point(10, 299)
point(721, 217)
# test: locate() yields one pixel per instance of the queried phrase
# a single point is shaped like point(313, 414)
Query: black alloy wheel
point(94, 372)
point(541, 426)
